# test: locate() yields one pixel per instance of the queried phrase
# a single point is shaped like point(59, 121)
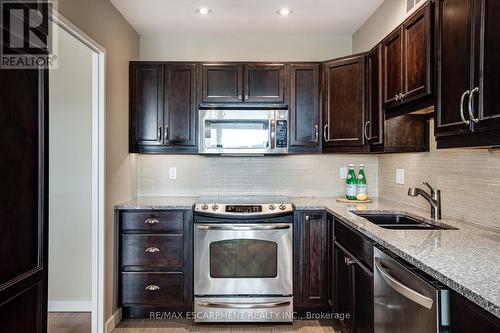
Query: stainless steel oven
point(250, 132)
point(243, 262)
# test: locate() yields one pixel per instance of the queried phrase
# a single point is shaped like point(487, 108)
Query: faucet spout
point(434, 199)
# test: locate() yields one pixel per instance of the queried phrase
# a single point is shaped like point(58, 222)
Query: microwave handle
point(273, 133)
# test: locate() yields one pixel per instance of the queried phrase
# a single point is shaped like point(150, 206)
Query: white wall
point(243, 47)
point(386, 18)
point(70, 206)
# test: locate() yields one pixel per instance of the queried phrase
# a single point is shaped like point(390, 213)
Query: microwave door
point(223, 136)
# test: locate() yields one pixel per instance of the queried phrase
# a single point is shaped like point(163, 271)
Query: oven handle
point(407, 292)
point(240, 227)
point(227, 305)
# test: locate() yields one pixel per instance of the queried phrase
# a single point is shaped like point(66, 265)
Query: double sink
point(401, 221)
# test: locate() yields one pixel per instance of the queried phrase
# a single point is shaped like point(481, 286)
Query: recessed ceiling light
point(284, 11)
point(203, 10)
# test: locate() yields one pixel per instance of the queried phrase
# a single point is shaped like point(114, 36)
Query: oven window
point(237, 134)
point(243, 258)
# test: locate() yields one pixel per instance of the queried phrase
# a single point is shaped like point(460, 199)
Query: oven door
point(243, 259)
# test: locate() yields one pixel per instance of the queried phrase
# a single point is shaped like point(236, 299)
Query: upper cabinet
point(163, 106)
point(235, 83)
point(344, 104)
point(468, 102)
point(407, 63)
point(404, 133)
point(304, 107)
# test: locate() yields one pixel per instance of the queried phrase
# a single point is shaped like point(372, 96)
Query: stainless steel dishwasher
point(406, 299)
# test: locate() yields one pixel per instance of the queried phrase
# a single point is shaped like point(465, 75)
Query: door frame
point(98, 167)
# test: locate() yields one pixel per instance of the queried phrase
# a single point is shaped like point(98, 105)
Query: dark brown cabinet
point(404, 133)
point(310, 261)
point(222, 83)
point(353, 279)
point(344, 104)
point(407, 62)
point(154, 252)
point(235, 83)
point(304, 107)
point(466, 316)
point(163, 107)
point(468, 103)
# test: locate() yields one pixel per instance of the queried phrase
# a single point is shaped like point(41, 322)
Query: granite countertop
point(467, 260)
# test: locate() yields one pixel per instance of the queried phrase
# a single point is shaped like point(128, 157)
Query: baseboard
point(70, 306)
point(113, 321)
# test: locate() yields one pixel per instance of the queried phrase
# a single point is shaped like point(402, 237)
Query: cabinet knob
point(246, 97)
point(151, 221)
point(239, 97)
point(152, 287)
point(307, 218)
point(152, 249)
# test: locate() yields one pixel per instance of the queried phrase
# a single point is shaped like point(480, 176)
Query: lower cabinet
point(467, 317)
point(154, 251)
point(352, 280)
point(311, 243)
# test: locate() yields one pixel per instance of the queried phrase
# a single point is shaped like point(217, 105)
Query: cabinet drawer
point(152, 288)
point(357, 244)
point(152, 250)
point(153, 221)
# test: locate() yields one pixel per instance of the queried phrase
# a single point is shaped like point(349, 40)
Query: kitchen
point(227, 157)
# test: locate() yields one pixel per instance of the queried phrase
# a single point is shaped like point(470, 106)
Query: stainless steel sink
point(401, 221)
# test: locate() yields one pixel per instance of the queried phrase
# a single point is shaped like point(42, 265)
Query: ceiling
point(230, 17)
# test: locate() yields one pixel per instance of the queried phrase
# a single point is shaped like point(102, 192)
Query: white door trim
point(98, 167)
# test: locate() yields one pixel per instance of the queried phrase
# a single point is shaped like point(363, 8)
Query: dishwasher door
point(405, 301)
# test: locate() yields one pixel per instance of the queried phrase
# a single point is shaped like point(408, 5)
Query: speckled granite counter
point(467, 260)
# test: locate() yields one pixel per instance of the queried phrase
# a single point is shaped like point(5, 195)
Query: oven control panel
point(243, 210)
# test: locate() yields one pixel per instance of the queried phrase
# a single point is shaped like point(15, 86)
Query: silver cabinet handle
point(407, 292)
point(239, 97)
point(367, 124)
point(326, 135)
point(166, 133)
point(471, 105)
point(316, 133)
point(152, 249)
point(246, 97)
point(158, 133)
point(239, 227)
point(467, 122)
point(151, 221)
point(228, 305)
point(273, 134)
point(397, 97)
point(152, 287)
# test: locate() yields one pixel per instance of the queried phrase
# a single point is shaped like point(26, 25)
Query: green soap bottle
point(351, 184)
point(362, 189)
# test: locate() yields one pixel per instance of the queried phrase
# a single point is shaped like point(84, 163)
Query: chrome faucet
point(434, 199)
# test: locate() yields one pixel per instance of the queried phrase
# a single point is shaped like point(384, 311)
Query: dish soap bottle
point(351, 184)
point(362, 188)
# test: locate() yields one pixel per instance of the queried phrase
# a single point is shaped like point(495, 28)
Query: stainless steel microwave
point(243, 132)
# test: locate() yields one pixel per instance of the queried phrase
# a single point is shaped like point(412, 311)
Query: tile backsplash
point(469, 180)
point(301, 175)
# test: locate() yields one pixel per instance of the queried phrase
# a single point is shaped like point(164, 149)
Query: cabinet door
point(180, 106)
point(363, 299)
point(265, 83)
point(222, 83)
point(314, 258)
point(146, 105)
point(467, 317)
point(304, 107)
point(453, 35)
point(487, 70)
point(417, 50)
point(392, 53)
point(374, 125)
point(344, 103)
point(343, 292)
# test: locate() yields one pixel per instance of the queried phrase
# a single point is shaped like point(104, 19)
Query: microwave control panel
point(281, 134)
